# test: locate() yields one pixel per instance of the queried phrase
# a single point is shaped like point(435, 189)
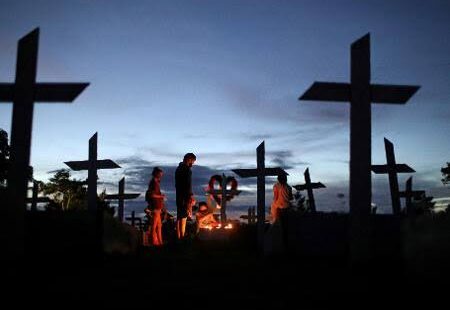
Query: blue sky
point(218, 77)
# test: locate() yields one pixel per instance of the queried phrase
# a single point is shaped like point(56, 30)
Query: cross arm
point(124, 196)
point(302, 187)
point(246, 173)
point(84, 165)
point(46, 92)
point(327, 91)
point(400, 168)
point(228, 192)
point(249, 173)
point(396, 94)
point(318, 185)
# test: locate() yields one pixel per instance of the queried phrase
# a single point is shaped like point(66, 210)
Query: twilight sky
point(218, 77)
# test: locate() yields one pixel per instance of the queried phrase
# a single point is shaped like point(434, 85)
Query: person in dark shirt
point(184, 196)
point(156, 204)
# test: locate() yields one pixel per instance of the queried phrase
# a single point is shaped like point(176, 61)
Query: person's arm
point(157, 196)
point(291, 196)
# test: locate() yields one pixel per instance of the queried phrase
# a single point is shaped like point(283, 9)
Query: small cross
point(92, 165)
point(121, 196)
point(133, 219)
point(409, 194)
point(309, 186)
point(260, 173)
point(392, 168)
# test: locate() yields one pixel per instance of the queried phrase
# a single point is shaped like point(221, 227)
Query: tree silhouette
point(68, 194)
point(4, 157)
point(446, 174)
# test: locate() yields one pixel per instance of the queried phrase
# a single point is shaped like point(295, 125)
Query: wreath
point(219, 179)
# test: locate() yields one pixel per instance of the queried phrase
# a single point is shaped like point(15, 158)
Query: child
point(204, 217)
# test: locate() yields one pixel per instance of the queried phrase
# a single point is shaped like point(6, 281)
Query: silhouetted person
point(156, 205)
point(184, 196)
point(282, 196)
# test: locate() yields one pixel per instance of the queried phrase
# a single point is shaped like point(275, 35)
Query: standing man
point(185, 197)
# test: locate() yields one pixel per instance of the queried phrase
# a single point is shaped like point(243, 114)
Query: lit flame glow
point(218, 226)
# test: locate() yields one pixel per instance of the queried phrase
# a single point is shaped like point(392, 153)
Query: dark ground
point(205, 274)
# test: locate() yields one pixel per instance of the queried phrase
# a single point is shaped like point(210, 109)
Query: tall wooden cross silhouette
point(392, 168)
point(23, 93)
point(409, 194)
point(92, 165)
point(360, 93)
point(225, 194)
point(309, 186)
point(121, 196)
point(260, 173)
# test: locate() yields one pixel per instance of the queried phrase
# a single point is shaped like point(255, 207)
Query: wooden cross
point(360, 93)
point(260, 173)
point(92, 165)
point(409, 194)
point(309, 186)
point(225, 194)
point(121, 196)
point(250, 216)
point(34, 200)
point(133, 220)
point(392, 168)
point(23, 93)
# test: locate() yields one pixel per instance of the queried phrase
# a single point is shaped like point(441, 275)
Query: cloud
point(272, 108)
point(138, 174)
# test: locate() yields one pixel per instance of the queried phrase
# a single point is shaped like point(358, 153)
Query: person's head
point(157, 173)
point(189, 159)
point(282, 178)
point(202, 207)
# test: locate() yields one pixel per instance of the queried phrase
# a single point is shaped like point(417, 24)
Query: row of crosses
point(359, 92)
point(24, 93)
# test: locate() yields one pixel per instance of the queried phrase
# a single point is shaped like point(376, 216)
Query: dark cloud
point(262, 105)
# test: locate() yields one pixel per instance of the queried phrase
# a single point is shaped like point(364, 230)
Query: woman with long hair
point(156, 204)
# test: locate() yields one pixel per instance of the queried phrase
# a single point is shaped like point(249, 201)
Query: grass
point(208, 274)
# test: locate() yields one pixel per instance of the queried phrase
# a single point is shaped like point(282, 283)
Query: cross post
point(361, 94)
point(309, 186)
point(92, 165)
point(23, 93)
point(121, 196)
point(409, 194)
point(392, 168)
point(260, 173)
